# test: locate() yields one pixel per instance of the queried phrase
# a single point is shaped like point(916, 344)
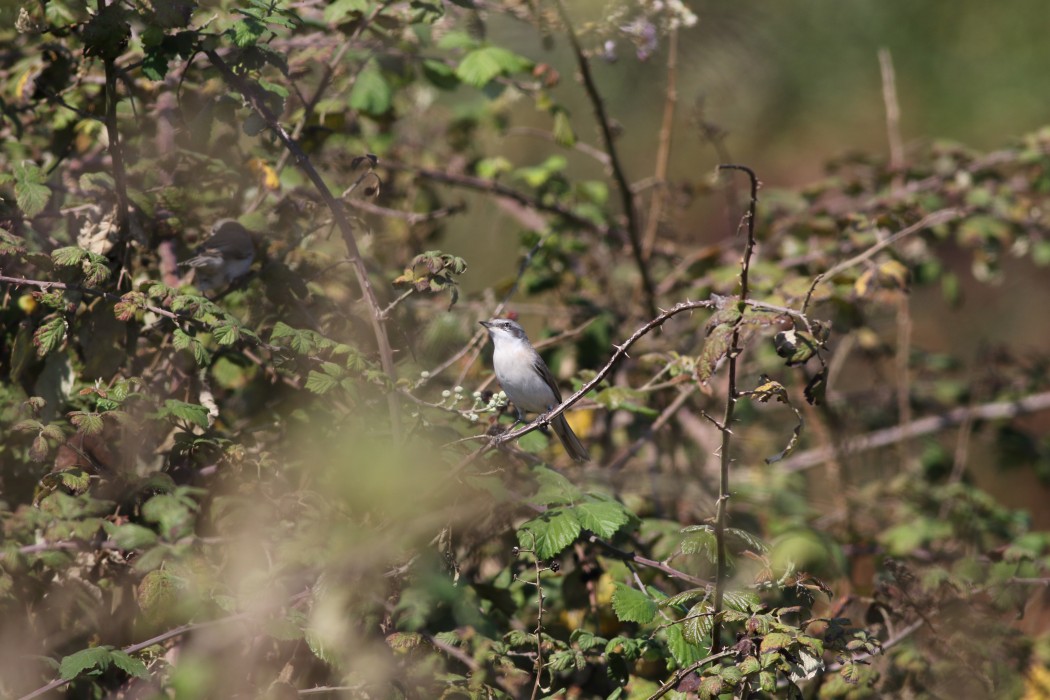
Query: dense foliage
point(303, 481)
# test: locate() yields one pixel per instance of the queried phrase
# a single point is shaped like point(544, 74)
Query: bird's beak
point(485, 323)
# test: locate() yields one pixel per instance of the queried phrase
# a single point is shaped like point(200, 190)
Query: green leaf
point(68, 255)
point(198, 415)
point(483, 64)
point(130, 536)
point(129, 664)
point(683, 651)
point(49, 336)
point(549, 533)
point(246, 32)
point(86, 422)
point(603, 518)
point(338, 11)
point(30, 191)
point(774, 641)
point(371, 93)
point(553, 488)
point(631, 605)
point(227, 334)
point(716, 346)
point(320, 383)
point(698, 623)
point(11, 244)
point(440, 74)
point(709, 688)
point(174, 516)
point(95, 658)
point(563, 133)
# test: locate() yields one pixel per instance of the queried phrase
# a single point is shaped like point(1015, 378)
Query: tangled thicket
point(283, 486)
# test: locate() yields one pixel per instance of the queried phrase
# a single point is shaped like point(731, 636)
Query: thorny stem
point(722, 507)
point(386, 354)
point(624, 187)
point(682, 673)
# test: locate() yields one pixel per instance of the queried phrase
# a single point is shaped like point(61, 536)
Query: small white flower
point(446, 393)
point(458, 389)
point(424, 374)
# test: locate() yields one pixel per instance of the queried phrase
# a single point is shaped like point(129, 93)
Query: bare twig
point(636, 558)
point(999, 410)
point(930, 220)
point(386, 354)
point(481, 184)
point(893, 111)
point(722, 507)
point(622, 184)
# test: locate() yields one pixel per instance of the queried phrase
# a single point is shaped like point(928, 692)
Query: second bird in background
point(224, 257)
point(527, 381)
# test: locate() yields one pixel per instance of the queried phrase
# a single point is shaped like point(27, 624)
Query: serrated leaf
point(749, 541)
point(30, 191)
point(774, 641)
point(487, 62)
point(49, 336)
point(371, 93)
point(246, 32)
point(95, 658)
point(698, 623)
point(320, 383)
point(684, 652)
point(716, 346)
point(68, 255)
point(86, 422)
point(684, 597)
point(603, 518)
point(549, 533)
point(129, 664)
point(710, 687)
point(198, 415)
point(742, 601)
point(553, 488)
point(227, 334)
point(631, 605)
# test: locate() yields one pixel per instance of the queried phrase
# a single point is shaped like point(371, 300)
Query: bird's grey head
point(504, 328)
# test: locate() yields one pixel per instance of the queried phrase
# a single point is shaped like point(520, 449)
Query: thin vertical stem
point(722, 508)
point(622, 185)
point(663, 150)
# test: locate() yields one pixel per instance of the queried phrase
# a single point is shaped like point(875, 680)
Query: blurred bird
point(226, 256)
point(527, 381)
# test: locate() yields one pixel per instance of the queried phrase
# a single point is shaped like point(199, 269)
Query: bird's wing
point(540, 366)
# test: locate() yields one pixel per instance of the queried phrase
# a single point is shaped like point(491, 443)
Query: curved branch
point(386, 354)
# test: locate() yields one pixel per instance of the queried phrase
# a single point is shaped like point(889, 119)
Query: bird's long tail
point(569, 440)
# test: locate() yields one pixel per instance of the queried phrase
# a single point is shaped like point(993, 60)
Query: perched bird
point(527, 381)
point(226, 256)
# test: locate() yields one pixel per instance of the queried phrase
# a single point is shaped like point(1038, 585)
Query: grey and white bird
point(527, 381)
point(224, 257)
